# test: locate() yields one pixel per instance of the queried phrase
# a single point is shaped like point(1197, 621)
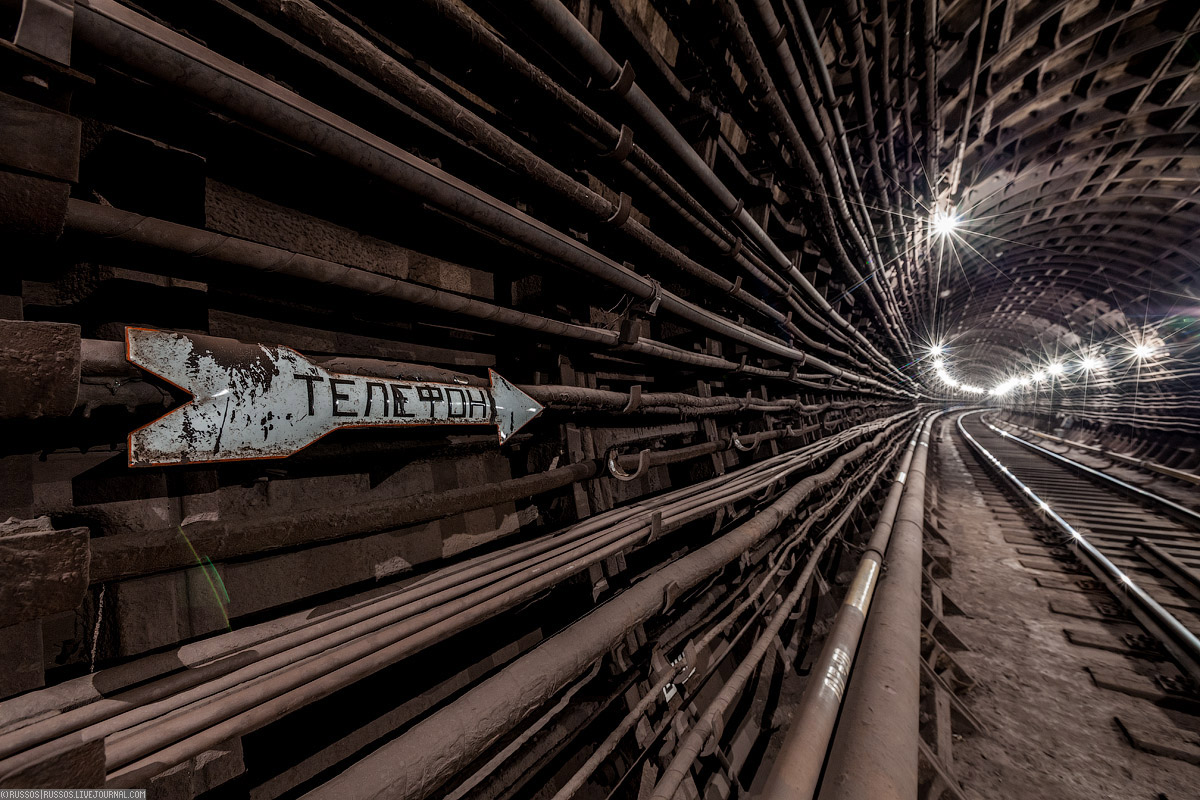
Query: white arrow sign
point(268, 401)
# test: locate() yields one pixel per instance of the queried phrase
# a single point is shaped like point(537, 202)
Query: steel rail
point(1170, 472)
point(797, 768)
point(1181, 643)
point(1173, 509)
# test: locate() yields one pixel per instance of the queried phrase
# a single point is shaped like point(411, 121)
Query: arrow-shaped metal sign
point(268, 401)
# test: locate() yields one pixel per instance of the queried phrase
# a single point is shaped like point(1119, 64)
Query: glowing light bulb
point(1039, 376)
point(1143, 350)
point(936, 350)
point(943, 223)
point(1090, 363)
point(1055, 368)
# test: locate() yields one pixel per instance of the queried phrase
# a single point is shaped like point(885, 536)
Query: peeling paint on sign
point(253, 401)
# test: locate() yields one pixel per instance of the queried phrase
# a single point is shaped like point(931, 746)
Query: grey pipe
point(874, 751)
point(797, 767)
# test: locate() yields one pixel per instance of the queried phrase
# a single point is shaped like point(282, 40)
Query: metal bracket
point(623, 147)
point(624, 81)
point(621, 211)
point(614, 468)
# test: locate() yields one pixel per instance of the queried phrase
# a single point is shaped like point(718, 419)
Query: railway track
point(1144, 548)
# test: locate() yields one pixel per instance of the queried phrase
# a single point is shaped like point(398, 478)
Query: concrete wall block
point(39, 369)
point(42, 571)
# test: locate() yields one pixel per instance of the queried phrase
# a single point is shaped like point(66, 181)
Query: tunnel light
point(936, 350)
point(939, 364)
point(1143, 351)
point(1039, 376)
point(944, 223)
point(1055, 368)
point(1090, 363)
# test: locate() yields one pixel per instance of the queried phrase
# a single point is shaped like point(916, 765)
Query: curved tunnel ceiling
point(1070, 152)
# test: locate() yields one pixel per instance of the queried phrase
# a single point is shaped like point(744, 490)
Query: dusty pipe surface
point(874, 751)
point(797, 768)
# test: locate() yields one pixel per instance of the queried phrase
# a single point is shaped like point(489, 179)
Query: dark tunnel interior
point(600, 399)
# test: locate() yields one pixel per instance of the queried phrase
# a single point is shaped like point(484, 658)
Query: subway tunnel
point(596, 399)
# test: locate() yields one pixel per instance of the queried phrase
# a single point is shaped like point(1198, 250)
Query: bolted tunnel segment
point(627, 399)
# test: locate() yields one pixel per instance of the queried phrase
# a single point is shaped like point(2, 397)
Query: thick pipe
point(419, 761)
point(797, 768)
point(756, 70)
point(874, 751)
point(690, 746)
point(395, 76)
point(642, 166)
point(373, 634)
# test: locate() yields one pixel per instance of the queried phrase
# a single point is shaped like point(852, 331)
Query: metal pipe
point(874, 752)
point(127, 36)
point(797, 767)
point(104, 221)
point(394, 76)
point(416, 763)
point(757, 70)
point(580, 40)
point(370, 634)
point(691, 745)
point(639, 164)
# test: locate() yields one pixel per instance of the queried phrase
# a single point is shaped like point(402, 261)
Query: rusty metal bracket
point(615, 470)
point(746, 448)
point(621, 211)
point(635, 399)
point(624, 81)
point(623, 147)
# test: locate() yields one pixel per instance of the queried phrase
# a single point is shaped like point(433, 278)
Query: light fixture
point(1039, 376)
point(1143, 350)
point(943, 223)
point(939, 364)
point(1090, 363)
point(1055, 368)
point(936, 350)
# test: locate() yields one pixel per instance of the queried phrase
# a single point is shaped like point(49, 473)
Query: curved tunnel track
point(1140, 550)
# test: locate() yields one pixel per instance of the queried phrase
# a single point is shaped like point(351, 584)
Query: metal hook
point(615, 470)
point(746, 448)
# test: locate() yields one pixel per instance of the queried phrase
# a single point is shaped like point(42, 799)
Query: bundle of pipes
point(126, 36)
point(701, 652)
point(242, 682)
point(418, 762)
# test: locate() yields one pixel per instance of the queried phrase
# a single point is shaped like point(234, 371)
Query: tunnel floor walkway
point(1039, 644)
